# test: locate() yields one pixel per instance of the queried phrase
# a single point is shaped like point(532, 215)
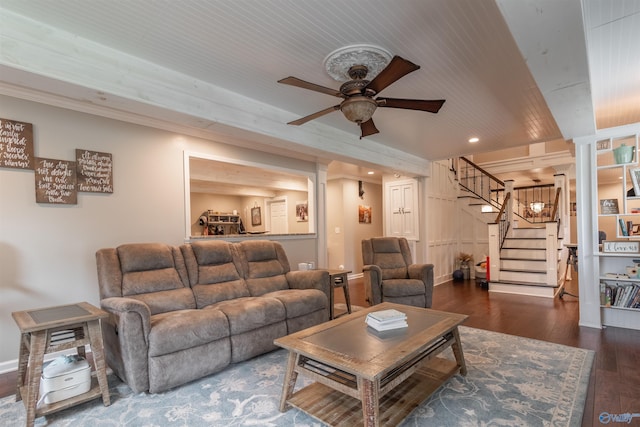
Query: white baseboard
point(534, 291)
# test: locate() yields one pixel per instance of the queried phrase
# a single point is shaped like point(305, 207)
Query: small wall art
point(16, 144)
point(302, 211)
point(364, 214)
point(95, 171)
point(608, 206)
point(256, 216)
point(55, 181)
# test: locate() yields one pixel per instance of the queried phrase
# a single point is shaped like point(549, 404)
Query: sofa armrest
point(309, 279)
point(423, 272)
point(372, 275)
point(126, 335)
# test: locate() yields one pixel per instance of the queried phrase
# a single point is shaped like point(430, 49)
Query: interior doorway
point(277, 221)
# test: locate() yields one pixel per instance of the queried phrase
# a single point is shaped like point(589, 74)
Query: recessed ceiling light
point(474, 139)
point(370, 173)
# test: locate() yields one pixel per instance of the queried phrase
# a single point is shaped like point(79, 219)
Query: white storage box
point(65, 377)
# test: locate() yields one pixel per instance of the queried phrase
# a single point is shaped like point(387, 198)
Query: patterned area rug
point(512, 381)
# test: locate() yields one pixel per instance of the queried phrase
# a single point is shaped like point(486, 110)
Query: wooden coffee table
point(365, 377)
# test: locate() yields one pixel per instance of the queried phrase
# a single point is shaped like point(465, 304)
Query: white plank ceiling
point(512, 72)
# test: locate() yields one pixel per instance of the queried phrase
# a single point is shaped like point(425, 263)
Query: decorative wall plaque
point(55, 181)
point(621, 246)
point(95, 171)
point(608, 206)
point(16, 144)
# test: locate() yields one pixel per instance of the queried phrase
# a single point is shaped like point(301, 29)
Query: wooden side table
point(54, 329)
point(339, 279)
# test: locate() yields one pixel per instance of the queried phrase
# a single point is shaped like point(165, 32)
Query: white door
point(395, 208)
point(402, 215)
point(278, 217)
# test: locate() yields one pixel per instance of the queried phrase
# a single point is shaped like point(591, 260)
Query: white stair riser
point(525, 243)
point(528, 232)
point(507, 288)
point(523, 254)
point(523, 264)
point(520, 276)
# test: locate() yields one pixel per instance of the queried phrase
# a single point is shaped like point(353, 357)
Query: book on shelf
point(623, 227)
point(620, 295)
point(385, 320)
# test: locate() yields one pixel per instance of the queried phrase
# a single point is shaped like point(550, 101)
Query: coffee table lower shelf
point(340, 410)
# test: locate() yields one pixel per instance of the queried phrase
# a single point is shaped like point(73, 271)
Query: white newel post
point(508, 189)
point(551, 233)
point(494, 253)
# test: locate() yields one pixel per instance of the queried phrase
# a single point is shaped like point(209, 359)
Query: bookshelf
point(618, 215)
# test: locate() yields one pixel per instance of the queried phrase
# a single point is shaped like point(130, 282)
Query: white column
point(321, 209)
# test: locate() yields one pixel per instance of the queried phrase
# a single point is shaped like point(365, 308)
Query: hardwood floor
point(614, 385)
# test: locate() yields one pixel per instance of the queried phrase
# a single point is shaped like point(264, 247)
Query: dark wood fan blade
point(397, 68)
point(294, 81)
point(310, 117)
point(368, 128)
point(432, 106)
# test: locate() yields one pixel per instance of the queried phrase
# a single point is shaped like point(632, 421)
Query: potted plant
point(463, 260)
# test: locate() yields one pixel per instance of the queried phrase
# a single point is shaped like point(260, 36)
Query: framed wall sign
point(621, 246)
point(608, 206)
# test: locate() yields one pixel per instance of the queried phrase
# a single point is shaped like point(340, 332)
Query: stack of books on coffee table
point(386, 320)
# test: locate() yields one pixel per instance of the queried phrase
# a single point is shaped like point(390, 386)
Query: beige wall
point(47, 252)
point(342, 206)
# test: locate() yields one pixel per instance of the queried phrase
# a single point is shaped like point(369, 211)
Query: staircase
point(525, 266)
point(524, 260)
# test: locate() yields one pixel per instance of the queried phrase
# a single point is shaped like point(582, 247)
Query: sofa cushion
point(167, 301)
point(402, 287)
point(214, 272)
point(247, 314)
point(387, 254)
point(142, 282)
point(145, 256)
point(151, 273)
point(265, 265)
point(300, 302)
point(183, 329)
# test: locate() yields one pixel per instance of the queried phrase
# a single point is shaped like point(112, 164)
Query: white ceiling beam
point(551, 37)
point(88, 75)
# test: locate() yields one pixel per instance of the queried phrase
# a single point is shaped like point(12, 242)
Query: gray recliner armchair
point(391, 276)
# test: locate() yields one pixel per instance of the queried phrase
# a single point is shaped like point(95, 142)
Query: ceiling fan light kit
point(358, 109)
point(358, 104)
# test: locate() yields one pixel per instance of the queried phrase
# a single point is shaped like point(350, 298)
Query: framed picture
point(635, 178)
point(256, 216)
point(302, 211)
point(364, 214)
point(609, 206)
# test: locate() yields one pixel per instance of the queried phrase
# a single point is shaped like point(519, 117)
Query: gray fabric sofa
point(390, 275)
point(178, 313)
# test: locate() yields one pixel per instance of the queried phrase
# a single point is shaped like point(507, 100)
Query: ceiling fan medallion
point(338, 62)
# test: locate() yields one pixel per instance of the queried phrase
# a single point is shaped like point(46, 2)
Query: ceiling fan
point(358, 104)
